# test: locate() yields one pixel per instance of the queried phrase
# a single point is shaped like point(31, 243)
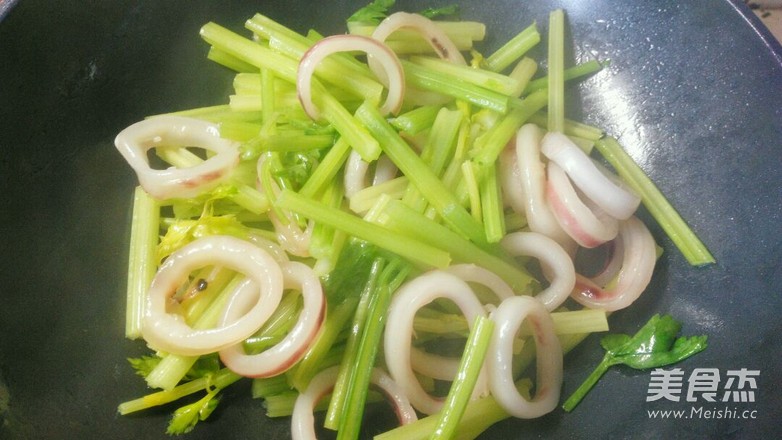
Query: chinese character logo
point(703, 384)
point(665, 384)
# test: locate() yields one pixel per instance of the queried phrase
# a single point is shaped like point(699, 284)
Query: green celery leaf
point(372, 13)
point(445, 11)
point(144, 365)
point(186, 417)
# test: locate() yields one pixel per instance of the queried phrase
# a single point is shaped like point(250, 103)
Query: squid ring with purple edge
point(177, 132)
point(170, 333)
point(508, 317)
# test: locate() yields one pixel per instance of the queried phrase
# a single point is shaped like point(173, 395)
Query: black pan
point(694, 90)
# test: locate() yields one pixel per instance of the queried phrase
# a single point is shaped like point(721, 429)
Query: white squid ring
point(588, 225)
point(387, 59)
point(554, 259)
point(170, 333)
point(287, 352)
point(508, 318)
point(606, 190)
point(302, 420)
point(176, 132)
point(399, 329)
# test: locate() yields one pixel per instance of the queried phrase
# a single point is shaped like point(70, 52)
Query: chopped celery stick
point(239, 131)
point(363, 200)
point(565, 322)
point(491, 143)
point(340, 391)
point(478, 416)
point(327, 169)
point(443, 137)
point(250, 51)
point(483, 78)
point(523, 73)
point(556, 68)
point(334, 69)
point(221, 379)
point(346, 124)
point(326, 243)
point(142, 266)
point(227, 60)
point(661, 209)
point(472, 30)
point(293, 140)
point(217, 113)
point(280, 405)
point(437, 151)
point(391, 277)
point(247, 83)
point(404, 220)
point(431, 187)
point(514, 49)
point(268, 386)
point(470, 180)
point(462, 387)
point(313, 361)
point(416, 120)
point(570, 73)
point(492, 205)
point(404, 246)
point(421, 47)
point(451, 85)
point(277, 326)
point(245, 102)
point(268, 100)
point(572, 128)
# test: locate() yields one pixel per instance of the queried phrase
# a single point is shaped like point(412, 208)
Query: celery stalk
point(556, 68)
point(406, 221)
point(416, 120)
point(659, 207)
point(569, 74)
point(484, 78)
point(452, 85)
point(339, 395)
point(472, 30)
point(523, 72)
point(572, 128)
point(492, 205)
point(363, 200)
point(335, 70)
point(513, 49)
point(220, 380)
point(346, 124)
point(227, 60)
point(461, 388)
point(431, 187)
point(250, 52)
point(478, 416)
point(144, 234)
point(312, 362)
point(404, 246)
point(470, 181)
point(268, 386)
point(392, 276)
point(494, 141)
point(328, 168)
